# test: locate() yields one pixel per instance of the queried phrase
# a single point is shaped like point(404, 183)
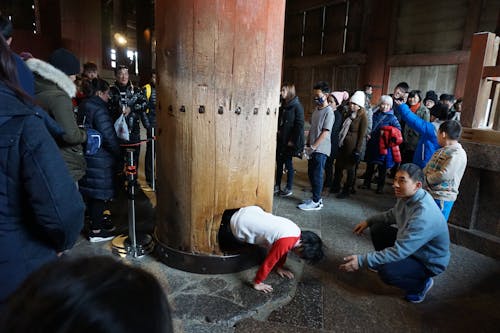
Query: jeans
point(284, 159)
point(445, 207)
point(315, 168)
point(408, 274)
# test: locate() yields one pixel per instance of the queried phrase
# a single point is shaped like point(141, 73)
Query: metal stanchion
point(153, 160)
point(136, 245)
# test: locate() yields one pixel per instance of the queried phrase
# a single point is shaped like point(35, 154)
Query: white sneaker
point(311, 205)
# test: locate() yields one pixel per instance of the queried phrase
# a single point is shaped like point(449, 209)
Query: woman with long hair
point(41, 208)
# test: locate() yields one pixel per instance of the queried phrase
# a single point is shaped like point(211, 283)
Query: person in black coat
point(97, 186)
point(41, 210)
point(337, 100)
point(290, 137)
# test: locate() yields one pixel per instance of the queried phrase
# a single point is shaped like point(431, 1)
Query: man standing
point(409, 255)
point(318, 144)
point(150, 91)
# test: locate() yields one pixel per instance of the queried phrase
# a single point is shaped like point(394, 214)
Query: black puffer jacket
point(291, 128)
point(102, 166)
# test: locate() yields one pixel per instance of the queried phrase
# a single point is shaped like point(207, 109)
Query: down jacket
point(380, 119)
point(54, 90)
point(101, 167)
point(40, 207)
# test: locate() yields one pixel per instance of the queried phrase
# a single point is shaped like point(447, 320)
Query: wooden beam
point(484, 52)
point(344, 59)
point(429, 59)
point(491, 71)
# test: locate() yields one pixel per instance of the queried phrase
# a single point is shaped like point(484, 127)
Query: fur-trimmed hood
point(50, 73)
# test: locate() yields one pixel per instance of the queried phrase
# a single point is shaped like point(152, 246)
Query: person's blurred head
point(385, 103)
point(6, 29)
point(449, 132)
point(368, 89)
point(97, 87)
point(447, 99)
point(90, 70)
point(310, 247)
point(357, 101)
point(337, 98)
point(95, 294)
point(121, 75)
point(401, 91)
point(320, 93)
point(66, 62)
point(408, 180)
point(8, 71)
point(430, 99)
point(414, 97)
point(152, 81)
point(288, 91)
point(439, 112)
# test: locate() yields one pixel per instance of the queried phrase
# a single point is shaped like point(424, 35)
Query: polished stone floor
point(321, 298)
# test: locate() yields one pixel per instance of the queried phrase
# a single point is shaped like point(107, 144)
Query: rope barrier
point(137, 143)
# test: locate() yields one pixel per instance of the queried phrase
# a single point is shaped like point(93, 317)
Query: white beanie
point(359, 98)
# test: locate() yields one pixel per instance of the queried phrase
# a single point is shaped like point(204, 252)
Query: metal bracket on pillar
point(201, 109)
point(255, 110)
point(220, 110)
point(170, 109)
point(238, 110)
point(268, 112)
point(182, 109)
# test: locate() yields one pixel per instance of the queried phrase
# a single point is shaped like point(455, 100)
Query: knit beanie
point(340, 96)
point(431, 95)
point(65, 61)
point(359, 98)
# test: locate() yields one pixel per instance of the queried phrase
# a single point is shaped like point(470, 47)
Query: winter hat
point(65, 61)
point(340, 96)
point(359, 98)
point(431, 94)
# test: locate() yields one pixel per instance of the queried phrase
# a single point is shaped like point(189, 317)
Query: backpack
point(94, 138)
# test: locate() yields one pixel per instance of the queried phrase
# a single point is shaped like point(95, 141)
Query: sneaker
point(311, 205)
point(286, 193)
point(107, 223)
point(100, 236)
point(276, 190)
point(419, 298)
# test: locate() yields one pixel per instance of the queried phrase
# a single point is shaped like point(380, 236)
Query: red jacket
point(390, 137)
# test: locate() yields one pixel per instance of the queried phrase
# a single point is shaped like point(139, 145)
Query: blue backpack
point(94, 138)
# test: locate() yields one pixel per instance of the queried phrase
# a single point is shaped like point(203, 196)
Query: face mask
point(319, 100)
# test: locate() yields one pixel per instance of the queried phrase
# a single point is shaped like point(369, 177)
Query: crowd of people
point(48, 122)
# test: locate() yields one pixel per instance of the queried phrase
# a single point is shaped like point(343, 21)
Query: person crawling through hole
point(279, 235)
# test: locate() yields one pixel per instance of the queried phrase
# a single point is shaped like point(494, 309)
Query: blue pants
point(445, 207)
point(284, 159)
point(315, 168)
point(408, 274)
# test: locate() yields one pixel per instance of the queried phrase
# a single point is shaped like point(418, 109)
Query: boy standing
point(446, 167)
point(318, 145)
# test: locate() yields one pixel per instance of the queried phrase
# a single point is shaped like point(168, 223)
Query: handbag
point(121, 128)
point(94, 138)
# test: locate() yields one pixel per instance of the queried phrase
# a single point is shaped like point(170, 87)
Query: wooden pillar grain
point(219, 69)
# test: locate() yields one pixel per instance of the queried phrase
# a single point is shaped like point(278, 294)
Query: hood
point(11, 103)
point(50, 73)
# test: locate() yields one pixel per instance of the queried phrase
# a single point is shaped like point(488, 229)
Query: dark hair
point(5, 27)
point(366, 86)
point(323, 86)
point(452, 128)
point(95, 294)
point(414, 93)
point(447, 97)
point(403, 86)
point(416, 174)
point(312, 247)
point(91, 87)
point(439, 111)
point(89, 66)
point(290, 87)
point(119, 68)
point(8, 72)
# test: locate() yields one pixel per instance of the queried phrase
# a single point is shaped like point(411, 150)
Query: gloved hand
point(357, 156)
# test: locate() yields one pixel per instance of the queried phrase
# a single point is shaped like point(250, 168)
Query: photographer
point(132, 102)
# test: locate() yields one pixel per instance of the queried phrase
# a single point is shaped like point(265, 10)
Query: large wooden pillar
point(219, 70)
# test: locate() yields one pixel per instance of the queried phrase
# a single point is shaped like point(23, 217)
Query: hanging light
point(120, 39)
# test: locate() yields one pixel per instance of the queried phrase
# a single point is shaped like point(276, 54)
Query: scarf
point(415, 107)
point(345, 128)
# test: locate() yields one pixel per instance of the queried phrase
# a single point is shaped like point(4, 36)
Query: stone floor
point(321, 298)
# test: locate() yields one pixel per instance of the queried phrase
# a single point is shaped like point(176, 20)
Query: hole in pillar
point(227, 242)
